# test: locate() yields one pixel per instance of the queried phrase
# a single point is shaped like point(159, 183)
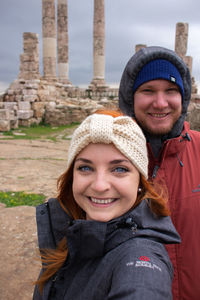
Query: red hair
point(54, 259)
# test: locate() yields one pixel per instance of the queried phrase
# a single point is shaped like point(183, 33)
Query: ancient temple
point(51, 43)
point(51, 97)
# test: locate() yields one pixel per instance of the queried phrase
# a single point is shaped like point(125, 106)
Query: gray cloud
point(127, 23)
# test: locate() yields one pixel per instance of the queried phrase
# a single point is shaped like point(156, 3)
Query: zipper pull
point(155, 170)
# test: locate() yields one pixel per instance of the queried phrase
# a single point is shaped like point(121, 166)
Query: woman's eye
point(173, 90)
point(84, 168)
point(120, 170)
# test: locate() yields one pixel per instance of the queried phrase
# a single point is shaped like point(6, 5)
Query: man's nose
point(160, 100)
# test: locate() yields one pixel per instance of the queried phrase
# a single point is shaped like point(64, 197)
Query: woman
point(102, 238)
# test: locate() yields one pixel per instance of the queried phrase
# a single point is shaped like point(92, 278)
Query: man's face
point(157, 106)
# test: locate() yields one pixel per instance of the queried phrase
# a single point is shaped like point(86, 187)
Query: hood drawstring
point(180, 162)
point(185, 137)
point(129, 223)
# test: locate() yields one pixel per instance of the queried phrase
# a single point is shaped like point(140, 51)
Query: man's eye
point(120, 170)
point(147, 91)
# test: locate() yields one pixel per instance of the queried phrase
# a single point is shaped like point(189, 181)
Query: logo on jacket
point(144, 258)
point(196, 190)
point(144, 261)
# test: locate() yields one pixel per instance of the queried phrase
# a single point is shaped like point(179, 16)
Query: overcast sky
point(128, 22)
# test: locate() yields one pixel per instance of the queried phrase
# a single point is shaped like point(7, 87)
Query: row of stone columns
point(50, 41)
point(30, 59)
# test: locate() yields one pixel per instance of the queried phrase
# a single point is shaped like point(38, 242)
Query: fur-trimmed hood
point(134, 65)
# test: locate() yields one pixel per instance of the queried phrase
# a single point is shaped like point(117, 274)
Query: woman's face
point(105, 182)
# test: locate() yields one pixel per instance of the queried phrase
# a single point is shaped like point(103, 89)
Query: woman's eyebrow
point(112, 162)
point(83, 160)
point(118, 161)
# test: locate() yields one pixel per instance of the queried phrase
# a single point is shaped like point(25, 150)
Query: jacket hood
point(134, 65)
point(88, 239)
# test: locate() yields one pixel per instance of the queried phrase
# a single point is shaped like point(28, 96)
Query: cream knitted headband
point(122, 131)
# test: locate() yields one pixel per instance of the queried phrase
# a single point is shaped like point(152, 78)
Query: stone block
point(14, 123)
point(10, 92)
point(29, 91)
point(51, 105)
point(26, 123)
point(4, 125)
point(5, 97)
point(30, 98)
point(10, 105)
point(18, 98)
point(11, 98)
point(29, 122)
point(38, 108)
point(12, 114)
point(4, 114)
point(24, 114)
point(32, 85)
point(24, 105)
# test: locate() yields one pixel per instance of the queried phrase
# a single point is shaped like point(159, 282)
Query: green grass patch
point(12, 199)
point(36, 132)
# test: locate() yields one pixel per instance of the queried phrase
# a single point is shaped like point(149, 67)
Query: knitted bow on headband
point(122, 131)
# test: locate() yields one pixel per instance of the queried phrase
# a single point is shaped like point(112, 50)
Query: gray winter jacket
point(122, 259)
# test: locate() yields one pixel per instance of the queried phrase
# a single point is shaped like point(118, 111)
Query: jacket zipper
point(52, 289)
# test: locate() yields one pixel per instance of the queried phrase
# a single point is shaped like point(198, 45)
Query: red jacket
point(179, 167)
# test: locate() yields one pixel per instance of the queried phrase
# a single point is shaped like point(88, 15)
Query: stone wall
point(28, 102)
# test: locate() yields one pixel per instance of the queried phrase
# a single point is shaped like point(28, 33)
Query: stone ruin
point(51, 98)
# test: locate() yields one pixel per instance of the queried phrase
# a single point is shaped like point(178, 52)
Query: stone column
point(181, 39)
point(98, 45)
point(139, 46)
point(181, 42)
point(49, 38)
point(29, 60)
point(62, 41)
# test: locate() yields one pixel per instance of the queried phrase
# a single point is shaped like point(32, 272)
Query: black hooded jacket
point(122, 259)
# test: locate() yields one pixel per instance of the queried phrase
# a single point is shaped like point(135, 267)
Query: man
point(155, 88)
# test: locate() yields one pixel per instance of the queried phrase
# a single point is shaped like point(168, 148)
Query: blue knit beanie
point(159, 69)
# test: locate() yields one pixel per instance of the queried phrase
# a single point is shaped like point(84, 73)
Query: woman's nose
point(100, 183)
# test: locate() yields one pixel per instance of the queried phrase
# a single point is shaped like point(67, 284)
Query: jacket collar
point(89, 239)
point(171, 146)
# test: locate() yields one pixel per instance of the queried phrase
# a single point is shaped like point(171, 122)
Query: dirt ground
point(31, 166)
